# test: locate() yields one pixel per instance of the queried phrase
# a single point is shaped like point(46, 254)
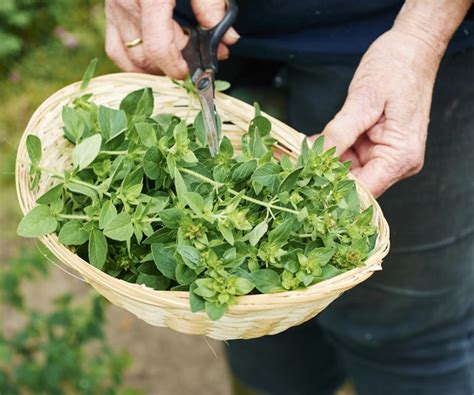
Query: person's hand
point(162, 37)
point(382, 126)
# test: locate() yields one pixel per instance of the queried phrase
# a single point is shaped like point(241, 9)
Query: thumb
point(209, 13)
point(356, 116)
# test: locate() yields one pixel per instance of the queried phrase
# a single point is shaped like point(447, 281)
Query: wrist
point(432, 22)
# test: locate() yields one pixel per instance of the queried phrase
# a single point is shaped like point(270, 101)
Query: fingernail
point(233, 33)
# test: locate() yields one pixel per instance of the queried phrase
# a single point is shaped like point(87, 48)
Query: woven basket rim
point(181, 298)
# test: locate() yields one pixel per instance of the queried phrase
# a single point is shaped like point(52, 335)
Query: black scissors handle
point(201, 50)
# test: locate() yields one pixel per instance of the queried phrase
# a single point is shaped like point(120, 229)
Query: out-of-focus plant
point(64, 351)
point(25, 24)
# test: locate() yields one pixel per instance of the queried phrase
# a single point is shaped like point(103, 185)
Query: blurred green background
point(56, 335)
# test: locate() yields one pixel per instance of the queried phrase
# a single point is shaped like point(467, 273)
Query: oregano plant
point(145, 202)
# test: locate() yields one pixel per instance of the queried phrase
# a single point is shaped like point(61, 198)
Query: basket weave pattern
point(254, 315)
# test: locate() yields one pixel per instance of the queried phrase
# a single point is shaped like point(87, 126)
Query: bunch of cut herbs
point(145, 202)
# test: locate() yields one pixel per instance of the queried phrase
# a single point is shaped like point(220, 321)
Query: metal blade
point(205, 88)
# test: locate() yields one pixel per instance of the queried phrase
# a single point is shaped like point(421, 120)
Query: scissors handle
point(212, 37)
point(206, 41)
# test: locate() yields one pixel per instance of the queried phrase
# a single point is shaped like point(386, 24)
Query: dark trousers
point(410, 328)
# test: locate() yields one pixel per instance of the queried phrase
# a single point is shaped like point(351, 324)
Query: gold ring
point(133, 43)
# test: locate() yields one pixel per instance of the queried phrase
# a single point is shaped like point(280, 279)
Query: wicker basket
point(254, 315)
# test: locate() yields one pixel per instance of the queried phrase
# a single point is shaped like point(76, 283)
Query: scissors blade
point(205, 88)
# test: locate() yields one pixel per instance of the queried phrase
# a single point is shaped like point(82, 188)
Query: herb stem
point(52, 172)
point(235, 193)
point(74, 216)
point(151, 220)
point(74, 181)
point(114, 152)
point(86, 184)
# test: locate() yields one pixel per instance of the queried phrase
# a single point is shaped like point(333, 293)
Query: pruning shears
point(200, 54)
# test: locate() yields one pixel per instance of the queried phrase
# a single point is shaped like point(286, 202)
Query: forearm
point(432, 21)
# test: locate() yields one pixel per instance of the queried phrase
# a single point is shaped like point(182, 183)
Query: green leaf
point(243, 286)
point(138, 103)
point(74, 124)
point(57, 206)
point(257, 109)
point(159, 283)
point(164, 259)
point(220, 173)
point(148, 266)
point(221, 86)
point(282, 232)
point(256, 233)
point(323, 254)
point(290, 180)
point(267, 175)
point(36, 177)
point(372, 241)
point(260, 125)
point(52, 195)
point(163, 235)
point(97, 248)
point(365, 218)
point(151, 163)
point(165, 120)
point(33, 146)
point(119, 228)
point(196, 302)
point(171, 164)
point(215, 311)
point(107, 213)
point(38, 222)
point(303, 214)
point(180, 186)
point(226, 147)
point(194, 201)
point(244, 170)
point(133, 178)
point(72, 233)
point(266, 280)
point(227, 233)
point(88, 74)
point(318, 145)
point(285, 163)
point(85, 153)
point(203, 288)
point(190, 255)
point(180, 134)
point(199, 129)
point(184, 275)
point(111, 122)
point(305, 151)
point(147, 134)
point(329, 271)
point(171, 217)
point(82, 190)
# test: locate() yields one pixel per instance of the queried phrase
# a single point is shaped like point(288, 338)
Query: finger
point(222, 52)
point(376, 175)
point(351, 155)
point(363, 148)
point(115, 50)
point(355, 117)
point(129, 30)
point(209, 13)
point(163, 39)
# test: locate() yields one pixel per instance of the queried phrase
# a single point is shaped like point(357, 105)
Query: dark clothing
point(409, 329)
point(309, 30)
